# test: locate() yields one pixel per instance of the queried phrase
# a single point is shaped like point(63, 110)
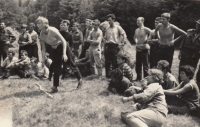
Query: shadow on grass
point(197, 120)
point(23, 94)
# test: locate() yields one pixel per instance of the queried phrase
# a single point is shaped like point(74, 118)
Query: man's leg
point(107, 61)
point(92, 60)
point(97, 58)
point(138, 66)
point(114, 53)
point(5, 51)
point(73, 66)
point(170, 54)
point(145, 62)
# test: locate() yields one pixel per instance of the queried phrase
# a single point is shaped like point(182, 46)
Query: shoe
point(54, 90)
point(80, 84)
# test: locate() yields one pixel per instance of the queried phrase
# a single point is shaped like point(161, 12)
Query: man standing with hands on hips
point(114, 36)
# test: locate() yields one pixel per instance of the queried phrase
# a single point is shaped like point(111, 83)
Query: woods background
point(184, 13)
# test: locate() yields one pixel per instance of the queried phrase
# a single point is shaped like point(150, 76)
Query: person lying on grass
point(187, 100)
point(153, 110)
point(40, 72)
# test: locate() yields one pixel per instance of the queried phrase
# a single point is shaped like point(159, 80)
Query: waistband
point(111, 44)
point(166, 45)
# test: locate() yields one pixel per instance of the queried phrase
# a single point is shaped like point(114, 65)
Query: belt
point(111, 44)
point(168, 45)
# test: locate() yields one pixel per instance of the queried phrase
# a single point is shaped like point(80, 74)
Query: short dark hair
point(11, 51)
point(66, 21)
point(189, 70)
point(117, 73)
point(24, 52)
point(111, 15)
point(123, 57)
point(32, 24)
point(164, 64)
point(35, 59)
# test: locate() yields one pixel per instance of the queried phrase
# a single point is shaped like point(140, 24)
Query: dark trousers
point(110, 53)
point(58, 61)
point(84, 48)
point(142, 59)
point(166, 53)
point(3, 51)
point(33, 51)
point(154, 56)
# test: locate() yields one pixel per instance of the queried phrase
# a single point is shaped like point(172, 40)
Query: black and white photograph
point(99, 63)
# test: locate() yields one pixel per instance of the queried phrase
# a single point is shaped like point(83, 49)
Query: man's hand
point(65, 58)
point(8, 42)
point(179, 56)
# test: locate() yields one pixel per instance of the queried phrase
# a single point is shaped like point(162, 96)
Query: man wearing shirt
point(51, 36)
point(114, 36)
point(95, 39)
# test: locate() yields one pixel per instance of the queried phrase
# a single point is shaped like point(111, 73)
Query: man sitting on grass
point(153, 111)
point(84, 64)
point(22, 67)
point(7, 62)
point(187, 100)
point(40, 71)
point(122, 77)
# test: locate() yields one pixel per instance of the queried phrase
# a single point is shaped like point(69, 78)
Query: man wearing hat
point(166, 38)
point(7, 36)
point(24, 40)
point(95, 39)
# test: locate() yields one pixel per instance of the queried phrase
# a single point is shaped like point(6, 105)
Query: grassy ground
point(87, 107)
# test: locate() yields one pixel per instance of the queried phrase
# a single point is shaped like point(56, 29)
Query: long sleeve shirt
point(152, 98)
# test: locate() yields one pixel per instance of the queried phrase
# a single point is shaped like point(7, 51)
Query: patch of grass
point(72, 108)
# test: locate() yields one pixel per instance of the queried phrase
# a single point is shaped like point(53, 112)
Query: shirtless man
point(166, 38)
point(142, 47)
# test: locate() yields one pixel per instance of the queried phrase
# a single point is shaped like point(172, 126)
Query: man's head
point(190, 32)
point(155, 75)
point(111, 19)
point(163, 65)
point(46, 56)
point(75, 26)
point(87, 22)
point(23, 54)
point(140, 21)
point(64, 25)
point(2, 25)
point(34, 61)
point(198, 26)
point(31, 26)
point(42, 23)
point(157, 21)
point(186, 72)
point(116, 75)
point(96, 24)
point(165, 18)
point(122, 58)
point(23, 27)
point(11, 54)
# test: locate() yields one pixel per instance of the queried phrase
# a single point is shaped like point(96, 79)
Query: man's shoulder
point(171, 77)
point(53, 29)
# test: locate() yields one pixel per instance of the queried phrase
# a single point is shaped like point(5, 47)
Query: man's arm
point(43, 50)
point(135, 37)
point(179, 31)
point(122, 35)
point(99, 39)
point(64, 43)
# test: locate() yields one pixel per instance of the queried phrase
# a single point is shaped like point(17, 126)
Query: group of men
point(68, 48)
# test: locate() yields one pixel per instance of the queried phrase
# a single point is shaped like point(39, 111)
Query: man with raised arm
point(142, 47)
point(51, 36)
point(166, 38)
